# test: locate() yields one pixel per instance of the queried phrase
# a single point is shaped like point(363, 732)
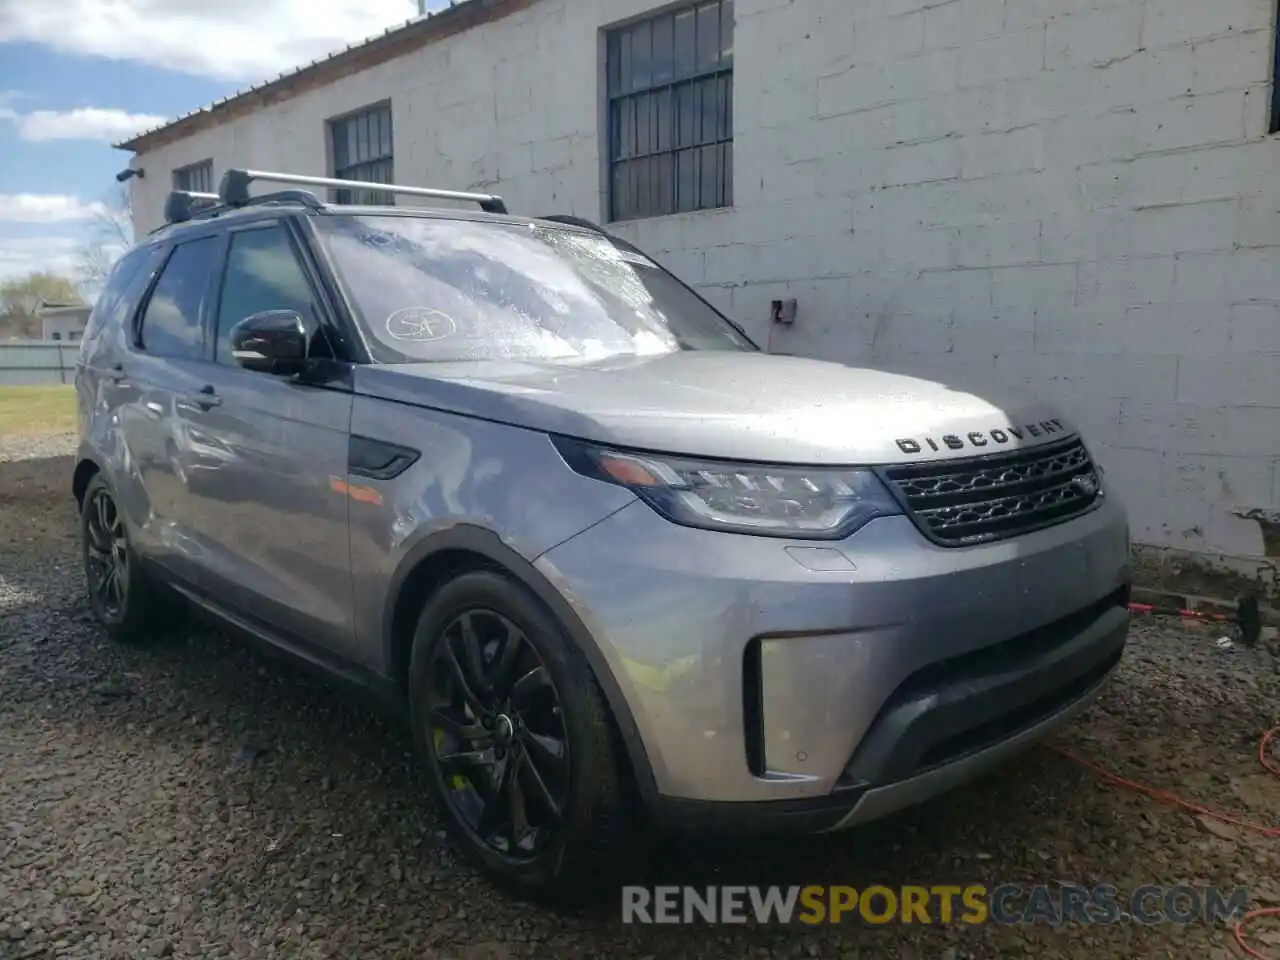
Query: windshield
point(445, 290)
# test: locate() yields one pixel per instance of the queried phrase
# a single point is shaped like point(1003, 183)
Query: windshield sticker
point(420, 324)
point(377, 239)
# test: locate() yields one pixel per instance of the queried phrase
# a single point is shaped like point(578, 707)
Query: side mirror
point(273, 341)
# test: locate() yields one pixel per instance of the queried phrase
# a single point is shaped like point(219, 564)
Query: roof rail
point(571, 220)
point(234, 189)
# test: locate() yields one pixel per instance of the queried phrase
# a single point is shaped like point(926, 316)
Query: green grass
point(33, 410)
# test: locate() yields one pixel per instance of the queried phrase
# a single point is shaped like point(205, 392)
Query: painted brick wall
point(1072, 196)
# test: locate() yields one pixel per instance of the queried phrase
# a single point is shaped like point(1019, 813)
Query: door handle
point(116, 374)
point(207, 398)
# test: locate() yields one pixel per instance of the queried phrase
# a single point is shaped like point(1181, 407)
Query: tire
point(480, 743)
point(129, 604)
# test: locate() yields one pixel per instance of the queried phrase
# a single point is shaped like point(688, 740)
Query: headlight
point(805, 503)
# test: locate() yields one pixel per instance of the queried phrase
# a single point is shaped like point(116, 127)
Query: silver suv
point(612, 560)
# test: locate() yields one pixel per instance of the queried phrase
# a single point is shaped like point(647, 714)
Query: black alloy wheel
point(498, 735)
point(523, 757)
point(106, 556)
point(127, 600)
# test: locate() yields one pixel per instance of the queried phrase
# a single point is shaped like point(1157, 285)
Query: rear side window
point(263, 273)
point(171, 321)
point(119, 297)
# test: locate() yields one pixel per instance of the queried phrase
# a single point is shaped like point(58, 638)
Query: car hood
point(724, 404)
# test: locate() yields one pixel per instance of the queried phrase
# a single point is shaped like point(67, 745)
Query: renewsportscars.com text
point(935, 904)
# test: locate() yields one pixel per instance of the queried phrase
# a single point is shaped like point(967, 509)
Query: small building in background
point(63, 321)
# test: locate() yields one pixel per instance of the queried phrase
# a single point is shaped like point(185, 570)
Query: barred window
point(196, 178)
point(670, 90)
point(1275, 85)
point(362, 150)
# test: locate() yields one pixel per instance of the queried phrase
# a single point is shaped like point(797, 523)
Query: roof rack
point(181, 205)
point(234, 189)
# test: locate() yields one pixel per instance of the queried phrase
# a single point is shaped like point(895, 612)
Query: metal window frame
point(185, 172)
point(1274, 125)
point(670, 87)
point(379, 167)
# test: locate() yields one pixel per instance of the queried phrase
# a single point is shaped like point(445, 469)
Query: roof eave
point(395, 42)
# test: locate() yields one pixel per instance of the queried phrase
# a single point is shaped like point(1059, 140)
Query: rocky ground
point(202, 800)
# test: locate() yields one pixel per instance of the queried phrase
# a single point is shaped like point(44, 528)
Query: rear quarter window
point(119, 298)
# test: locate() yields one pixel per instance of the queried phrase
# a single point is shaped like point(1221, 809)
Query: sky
point(79, 75)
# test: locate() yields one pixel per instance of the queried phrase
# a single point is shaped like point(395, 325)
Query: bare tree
point(112, 236)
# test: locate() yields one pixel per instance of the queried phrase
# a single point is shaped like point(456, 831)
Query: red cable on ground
point(1240, 934)
point(1172, 799)
point(1184, 614)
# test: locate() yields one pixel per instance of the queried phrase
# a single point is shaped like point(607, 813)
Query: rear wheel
point(517, 739)
point(125, 600)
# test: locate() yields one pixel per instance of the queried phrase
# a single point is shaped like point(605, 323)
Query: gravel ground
point(203, 800)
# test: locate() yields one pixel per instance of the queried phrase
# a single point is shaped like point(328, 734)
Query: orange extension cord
point(1172, 799)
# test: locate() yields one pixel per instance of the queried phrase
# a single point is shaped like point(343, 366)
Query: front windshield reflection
point(436, 289)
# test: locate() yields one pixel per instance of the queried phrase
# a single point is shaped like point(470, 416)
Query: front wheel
point(517, 739)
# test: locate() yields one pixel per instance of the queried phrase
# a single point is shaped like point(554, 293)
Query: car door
point(267, 450)
point(152, 379)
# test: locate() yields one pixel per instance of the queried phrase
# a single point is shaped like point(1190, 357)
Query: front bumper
point(814, 686)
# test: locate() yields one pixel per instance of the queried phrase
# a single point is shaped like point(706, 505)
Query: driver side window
point(263, 273)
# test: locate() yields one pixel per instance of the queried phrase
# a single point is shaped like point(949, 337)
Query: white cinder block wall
point(1074, 196)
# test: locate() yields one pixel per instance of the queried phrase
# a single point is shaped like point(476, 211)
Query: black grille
point(962, 502)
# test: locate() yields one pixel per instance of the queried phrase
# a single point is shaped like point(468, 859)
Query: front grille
point(962, 502)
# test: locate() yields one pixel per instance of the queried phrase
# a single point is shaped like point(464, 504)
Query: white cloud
point(81, 123)
point(20, 256)
point(47, 208)
point(227, 40)
point(84, 123)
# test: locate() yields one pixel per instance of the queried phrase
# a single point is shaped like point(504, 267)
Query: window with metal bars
point(1274, 126)
point(196, 177)
point(670, 90)
point(362, 150)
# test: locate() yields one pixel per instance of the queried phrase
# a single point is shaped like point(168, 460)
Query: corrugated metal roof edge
point(394, 42)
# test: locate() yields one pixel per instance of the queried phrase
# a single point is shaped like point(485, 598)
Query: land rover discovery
point(610, 557)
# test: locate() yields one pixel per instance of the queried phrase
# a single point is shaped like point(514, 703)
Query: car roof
point(235, 215)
